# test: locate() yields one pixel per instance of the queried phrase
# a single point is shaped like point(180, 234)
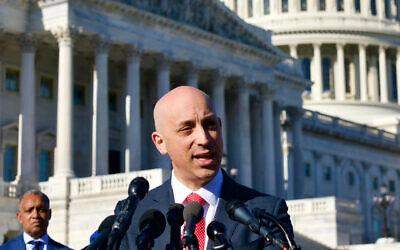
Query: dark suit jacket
point(19, 244)
point(161, 197)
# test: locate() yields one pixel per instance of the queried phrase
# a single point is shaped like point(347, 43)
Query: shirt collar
point(209, 192)
point(28, 238)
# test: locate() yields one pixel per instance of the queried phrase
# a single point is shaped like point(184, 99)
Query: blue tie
point(36, 244)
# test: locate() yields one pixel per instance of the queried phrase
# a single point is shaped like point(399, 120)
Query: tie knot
point(196, 198)
point(36, 244)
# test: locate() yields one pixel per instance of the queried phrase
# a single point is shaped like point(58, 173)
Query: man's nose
point(35, 213)
point(202, 136)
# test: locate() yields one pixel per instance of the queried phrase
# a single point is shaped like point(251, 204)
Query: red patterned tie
point(201, 225)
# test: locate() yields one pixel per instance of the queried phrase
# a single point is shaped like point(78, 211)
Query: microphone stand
point(175, 238)
point(191, 242)
point(262, 214)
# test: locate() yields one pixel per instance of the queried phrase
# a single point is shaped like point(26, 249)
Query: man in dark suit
point(34, 215)
point(189, 131)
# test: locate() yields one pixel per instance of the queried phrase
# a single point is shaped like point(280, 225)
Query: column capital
point(383, 47)
point(193, 68)
point(133, 53)
point(28, 43)
point(340, 45)
point(164, 59)
point(219, 75)
point(316, 44)
point(65, 35)
point(101, 44)
point(363, 45)
point(295, 113)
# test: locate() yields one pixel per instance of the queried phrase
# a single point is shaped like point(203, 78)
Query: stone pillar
point(367, 204)
point(373, 80)
point(218, 96)
point(294, 6)
point(163, 86)
point(163, 81)
point(383, 82)
point(380, 8)
point(245, 175)
point(296, 173)
point(100, 109)
point(133, 144)
point(193, 75)
point(312, 6)
point(363, 72)
point(268, 143)
point(274, 7)
point(293, 50)
point(331, 6)
point(64, 152)
point(365, 8)
point(340, 84)
point(349, 6)
point(27, 174)
point(398, 73)
point(242, 8)
point(316, 89)
point(287, 158)
point(278, 150)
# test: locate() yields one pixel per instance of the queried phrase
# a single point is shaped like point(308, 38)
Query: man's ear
point(49, 213)
point(19, 217)
point(159, 143)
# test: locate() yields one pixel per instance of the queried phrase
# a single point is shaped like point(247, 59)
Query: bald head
point(188, 130)
point(179, 96)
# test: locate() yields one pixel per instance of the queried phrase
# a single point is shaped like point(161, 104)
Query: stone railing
point(341, 128)
point(9, 189)
point(321, 205)
point(114, 183)
point(292, 66)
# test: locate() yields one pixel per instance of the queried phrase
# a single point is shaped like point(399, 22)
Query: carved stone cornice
point(101, 44)
point(28, 43)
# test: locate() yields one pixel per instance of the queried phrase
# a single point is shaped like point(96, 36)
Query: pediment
point(208, 15)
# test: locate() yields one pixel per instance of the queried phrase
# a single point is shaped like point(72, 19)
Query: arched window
point(303, 5)
point(249, 8)
point(266, 7)
point(350, 179)
point(373, 7)
point(285, 5)
point(322, 5)
point(339, 5)
point(326, 76)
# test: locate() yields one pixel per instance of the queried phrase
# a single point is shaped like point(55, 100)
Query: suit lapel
point(20, 242)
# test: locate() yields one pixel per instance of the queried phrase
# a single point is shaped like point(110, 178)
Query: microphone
point(151, 225)
point(192, 214)
point(216, 232)
point(137, 190)
point(239, 212)
point(175, 220)
point(103, 232)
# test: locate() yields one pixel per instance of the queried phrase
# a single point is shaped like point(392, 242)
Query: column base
point(23, 184)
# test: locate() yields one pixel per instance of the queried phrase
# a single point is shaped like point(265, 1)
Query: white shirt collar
point(209, 192)
point(28, 238)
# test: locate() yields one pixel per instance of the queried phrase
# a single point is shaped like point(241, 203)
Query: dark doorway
point(114, 161)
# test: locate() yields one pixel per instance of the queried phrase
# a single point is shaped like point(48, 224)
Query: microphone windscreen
point(107, 223)
point(175, 214)
point(215, 228)
point(138, 186)
point(155, 219)
point(195, 209)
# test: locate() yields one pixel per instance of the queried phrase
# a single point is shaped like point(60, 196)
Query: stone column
point(274, 7)
point(373, 80)
point(218, 96)
point(367, 204)
point(316, 89)
point(330, 6)
point(312, 6)
point(340, 84)
point(365, 8)
point(100, 109)
point(245, 175)
point(278, 149)
point(163, 86)
point(398, 73)
point(293, 50)
point(287, 158)
point(296, 118)
point(27, 174)
point(269, 174)
point(383, 82)
point(192, 75)
point(380, 8)
point(294, 6)
point(133, 144)
point(64, 162)
point(363, 72)
point(349, 6)
point(163, 81)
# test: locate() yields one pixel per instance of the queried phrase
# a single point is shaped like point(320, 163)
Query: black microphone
point(151, 225)
point(175, 220)
point(239, 212)
point(103, 231)
point(192, 214)
point(137, 190)
point(216, 232)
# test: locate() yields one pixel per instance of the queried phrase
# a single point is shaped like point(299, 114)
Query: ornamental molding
point(211, 20)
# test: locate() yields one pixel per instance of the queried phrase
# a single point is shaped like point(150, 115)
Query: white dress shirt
point(44, 239)
point(209, 193)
